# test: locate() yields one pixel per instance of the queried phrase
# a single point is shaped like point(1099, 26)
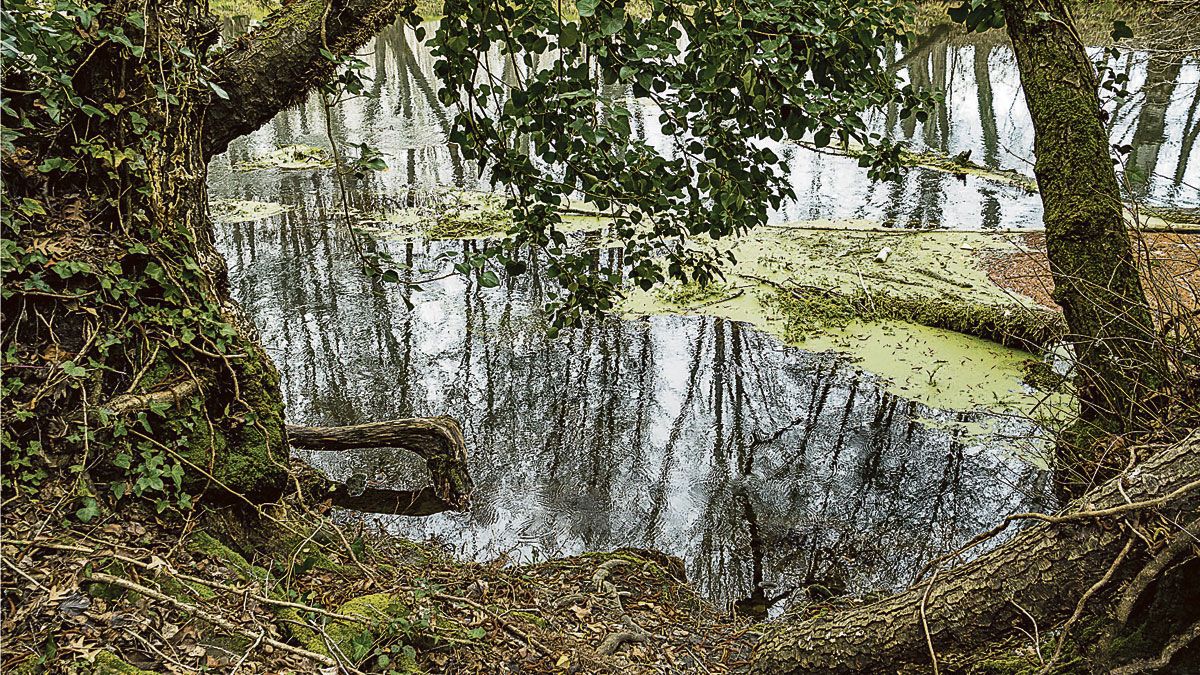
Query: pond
point(756, 462)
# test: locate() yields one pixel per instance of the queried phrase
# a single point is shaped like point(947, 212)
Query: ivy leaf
point(88, 511)
point(489, 279)
point(216, 88)
point(586, 7)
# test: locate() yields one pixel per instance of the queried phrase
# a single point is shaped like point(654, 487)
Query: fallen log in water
point(438, 440)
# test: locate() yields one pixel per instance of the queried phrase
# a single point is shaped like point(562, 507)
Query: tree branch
point(277, 65)
point(438, 440)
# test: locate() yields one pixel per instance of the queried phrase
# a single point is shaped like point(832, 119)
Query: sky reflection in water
point(696, 436)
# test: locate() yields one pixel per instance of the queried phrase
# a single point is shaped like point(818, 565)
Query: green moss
point(376, 611)
point(185, 590)
point(812, 313)
point(202, 542)
point(108, 592)
point(249, 456)
point(108, 663)
point(531, 618)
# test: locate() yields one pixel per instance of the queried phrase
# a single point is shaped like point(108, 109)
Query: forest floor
point(133, 593)
point(1170, 264)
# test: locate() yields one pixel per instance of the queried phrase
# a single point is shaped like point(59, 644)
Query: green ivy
point(721, 76)
point(81, 147)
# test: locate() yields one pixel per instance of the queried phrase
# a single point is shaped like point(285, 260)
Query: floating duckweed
point(293, 157)
point(244, 211)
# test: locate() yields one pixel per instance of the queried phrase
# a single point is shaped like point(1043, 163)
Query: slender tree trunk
point(1095, 279)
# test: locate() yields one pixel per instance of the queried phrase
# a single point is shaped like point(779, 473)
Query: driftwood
point(438, 440)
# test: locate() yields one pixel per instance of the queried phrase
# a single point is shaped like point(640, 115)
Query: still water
point(755, 462)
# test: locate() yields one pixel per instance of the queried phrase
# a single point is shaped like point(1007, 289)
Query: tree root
point(614, 640)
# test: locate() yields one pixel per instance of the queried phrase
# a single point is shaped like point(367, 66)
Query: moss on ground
point(108, 663)
point(206, 544)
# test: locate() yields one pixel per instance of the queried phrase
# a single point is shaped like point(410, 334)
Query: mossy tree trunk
point(1121, 365)
point(1030, 584)
point(125, 358)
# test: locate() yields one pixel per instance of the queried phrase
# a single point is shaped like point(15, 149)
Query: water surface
point(757, 463)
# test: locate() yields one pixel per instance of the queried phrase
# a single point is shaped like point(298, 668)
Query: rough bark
point(278, 64)
point(438, 440)
point(1045, 569)
point(1095, 278)
point(145, 216)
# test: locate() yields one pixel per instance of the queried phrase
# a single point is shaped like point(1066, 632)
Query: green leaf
point(216, 88)
point(489, 279)
point(611, 24)
point(88, 511)
point(586, 7)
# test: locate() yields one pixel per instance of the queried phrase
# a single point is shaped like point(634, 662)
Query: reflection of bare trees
point(767, 469)
point(1162, 75)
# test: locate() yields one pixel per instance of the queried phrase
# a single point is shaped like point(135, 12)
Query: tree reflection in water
point(768, 469)
point(756, 463)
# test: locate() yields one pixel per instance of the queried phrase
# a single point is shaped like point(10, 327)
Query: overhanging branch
point(278, 64)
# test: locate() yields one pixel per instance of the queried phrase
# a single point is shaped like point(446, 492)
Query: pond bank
point(298, 593)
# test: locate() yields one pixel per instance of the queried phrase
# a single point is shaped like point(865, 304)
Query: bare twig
point(508, 627)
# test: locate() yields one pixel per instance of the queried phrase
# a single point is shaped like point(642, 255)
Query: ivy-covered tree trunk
point(1120, 363)
point(126, 361)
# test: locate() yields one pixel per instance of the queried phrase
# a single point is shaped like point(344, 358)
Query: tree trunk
point(124, 350)
point(1095, 278)
point(1037, 578)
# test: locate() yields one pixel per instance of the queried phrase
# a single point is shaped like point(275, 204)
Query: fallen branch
point(168, 397)
point(1050, 566)
point(438, 440)
point(208, 617)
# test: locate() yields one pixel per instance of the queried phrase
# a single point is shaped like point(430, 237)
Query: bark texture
point(438, 440)
point(1091, 260)
point(1045, 569)
point(277, 65)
